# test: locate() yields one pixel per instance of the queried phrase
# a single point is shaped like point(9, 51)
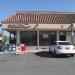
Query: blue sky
point(9, 7)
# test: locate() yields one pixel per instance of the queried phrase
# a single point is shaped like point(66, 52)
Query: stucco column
point(18, 37)
point(37, 39)
point(72, 33)
point(57, 36)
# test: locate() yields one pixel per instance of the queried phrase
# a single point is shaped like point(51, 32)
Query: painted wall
point(39, 26)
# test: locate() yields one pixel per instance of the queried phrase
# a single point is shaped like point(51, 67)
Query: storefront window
point(29, 38)
point(52, 37)
point(62, 36)
point(70, 33)
point(70, 37)
point(46, 38)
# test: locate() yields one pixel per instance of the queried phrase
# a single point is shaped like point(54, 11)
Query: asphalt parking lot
point(41, 63)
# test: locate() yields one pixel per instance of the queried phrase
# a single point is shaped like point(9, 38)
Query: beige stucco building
point(40, 28)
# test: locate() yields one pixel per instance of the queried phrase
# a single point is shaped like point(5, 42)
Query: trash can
point(23, 47)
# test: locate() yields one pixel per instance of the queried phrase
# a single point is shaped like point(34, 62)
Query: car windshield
point(64, 43)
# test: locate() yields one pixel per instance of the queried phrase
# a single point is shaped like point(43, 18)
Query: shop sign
point(19, 26)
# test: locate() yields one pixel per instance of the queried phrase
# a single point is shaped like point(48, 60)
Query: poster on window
point(45, 35)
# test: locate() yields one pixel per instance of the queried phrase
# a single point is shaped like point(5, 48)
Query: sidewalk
point(27, 51)
point(31, 49)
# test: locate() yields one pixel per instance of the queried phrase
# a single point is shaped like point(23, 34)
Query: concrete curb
point(28, 51)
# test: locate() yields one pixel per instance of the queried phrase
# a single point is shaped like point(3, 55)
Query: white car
point(62, 47)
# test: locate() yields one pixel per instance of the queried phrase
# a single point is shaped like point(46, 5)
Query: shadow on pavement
point(47, 54)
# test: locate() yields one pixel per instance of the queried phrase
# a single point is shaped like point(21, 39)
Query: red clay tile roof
point(42, 17)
